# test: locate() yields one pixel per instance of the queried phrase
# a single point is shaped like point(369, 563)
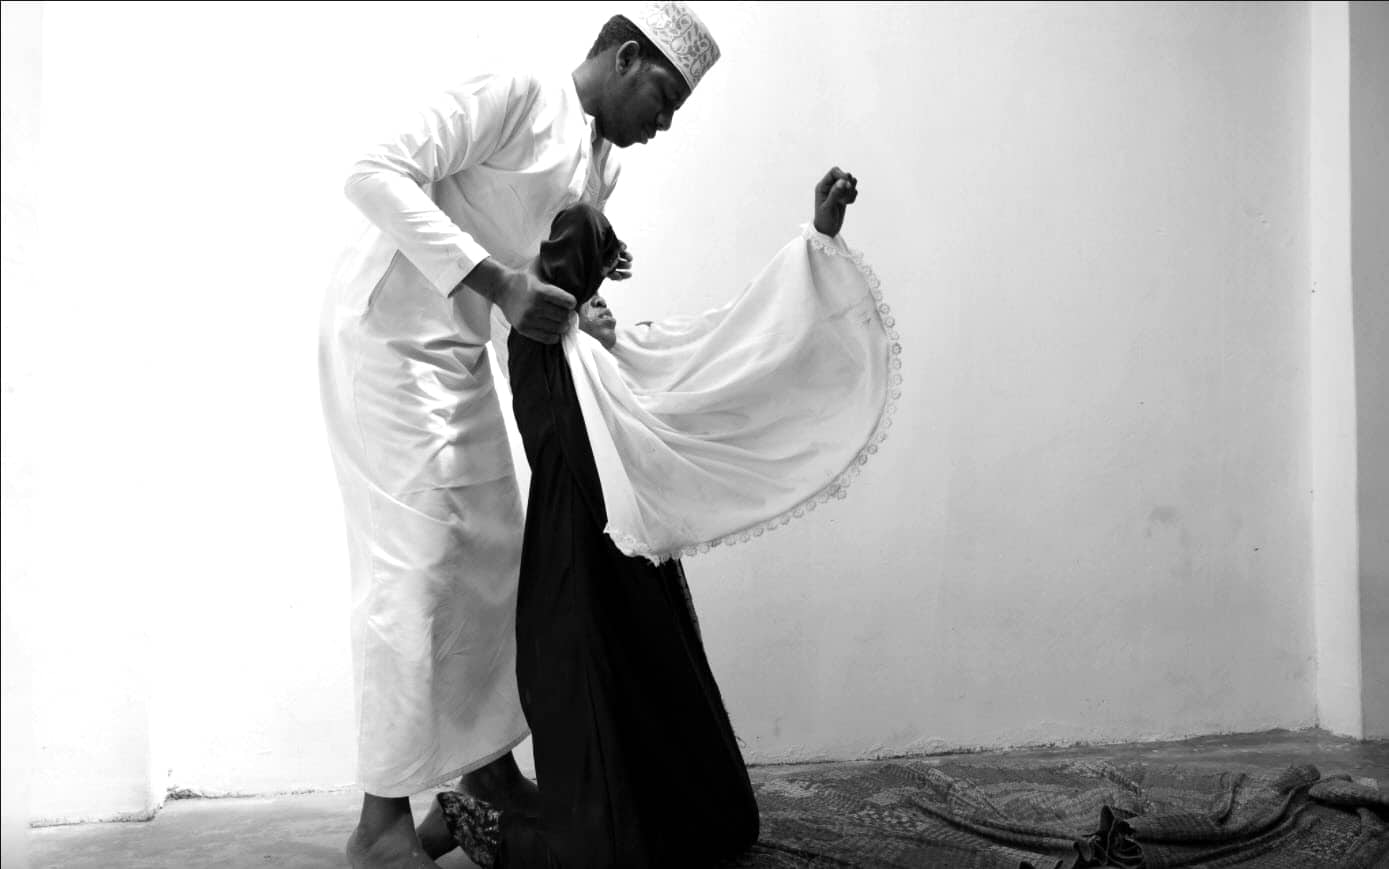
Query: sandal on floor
point(475, 826)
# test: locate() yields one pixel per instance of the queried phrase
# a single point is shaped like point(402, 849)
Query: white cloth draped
point(717, 428)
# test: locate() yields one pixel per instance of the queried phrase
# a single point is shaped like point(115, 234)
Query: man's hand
point(833, 195)
point(538, 310)
point(622, 269)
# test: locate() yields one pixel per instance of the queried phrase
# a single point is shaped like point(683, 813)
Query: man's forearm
point(487, 279)
point(442, 252)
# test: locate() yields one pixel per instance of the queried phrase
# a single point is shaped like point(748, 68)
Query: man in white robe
point(457, 204)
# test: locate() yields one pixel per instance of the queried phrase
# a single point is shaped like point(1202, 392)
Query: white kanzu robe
point(433, 510)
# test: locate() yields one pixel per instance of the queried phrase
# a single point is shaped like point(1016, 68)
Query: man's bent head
point(651, 60)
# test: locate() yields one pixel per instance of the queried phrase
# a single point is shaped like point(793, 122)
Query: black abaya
point(636, 759)
point(635, 756)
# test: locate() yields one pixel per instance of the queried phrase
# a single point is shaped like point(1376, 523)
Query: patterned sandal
point(474, 825)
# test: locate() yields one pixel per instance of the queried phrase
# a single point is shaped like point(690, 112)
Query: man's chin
point(627, 140)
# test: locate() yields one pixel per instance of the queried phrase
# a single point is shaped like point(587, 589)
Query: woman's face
point(596, 318)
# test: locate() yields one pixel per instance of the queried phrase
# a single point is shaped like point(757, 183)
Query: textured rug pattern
point(1073, 814)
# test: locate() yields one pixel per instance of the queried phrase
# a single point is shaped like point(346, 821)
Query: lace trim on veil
point(836, 489)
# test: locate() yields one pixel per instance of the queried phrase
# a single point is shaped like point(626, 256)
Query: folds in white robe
point(433, 510)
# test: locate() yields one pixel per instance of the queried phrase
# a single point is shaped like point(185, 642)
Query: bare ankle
point(385, 837)
point(434, 834)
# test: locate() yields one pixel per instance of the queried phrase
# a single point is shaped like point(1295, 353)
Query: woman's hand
point(622, 269)
point(833, 195)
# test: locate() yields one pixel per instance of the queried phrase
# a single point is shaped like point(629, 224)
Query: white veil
point(718, 428)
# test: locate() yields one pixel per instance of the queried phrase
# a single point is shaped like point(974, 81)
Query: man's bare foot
point(501, 784)
point(387, 853)
point(385, 837)
point(434, 833)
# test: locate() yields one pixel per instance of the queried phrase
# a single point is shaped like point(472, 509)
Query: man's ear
point(628, 57)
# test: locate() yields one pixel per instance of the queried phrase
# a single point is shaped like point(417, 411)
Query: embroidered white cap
point(679, 34)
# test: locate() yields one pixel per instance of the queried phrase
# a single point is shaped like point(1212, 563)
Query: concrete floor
point(309, 830)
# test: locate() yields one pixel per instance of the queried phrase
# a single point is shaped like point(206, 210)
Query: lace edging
point(836, 489)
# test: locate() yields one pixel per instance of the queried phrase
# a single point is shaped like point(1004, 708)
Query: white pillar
point(20, 31)
point(1335, 531)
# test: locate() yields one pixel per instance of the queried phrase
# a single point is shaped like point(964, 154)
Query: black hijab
point(581, 248)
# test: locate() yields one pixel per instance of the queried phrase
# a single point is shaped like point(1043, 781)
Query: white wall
point(1369, 125)
point(21, 26)
point(1091, 521)
point(78, 521)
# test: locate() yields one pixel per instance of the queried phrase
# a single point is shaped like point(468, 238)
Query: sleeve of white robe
point(459, 129)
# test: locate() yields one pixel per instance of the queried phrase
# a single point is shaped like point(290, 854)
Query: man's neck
point(588, 81)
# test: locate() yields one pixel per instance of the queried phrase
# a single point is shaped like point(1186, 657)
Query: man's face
point(596, 318)
point(642, 101)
